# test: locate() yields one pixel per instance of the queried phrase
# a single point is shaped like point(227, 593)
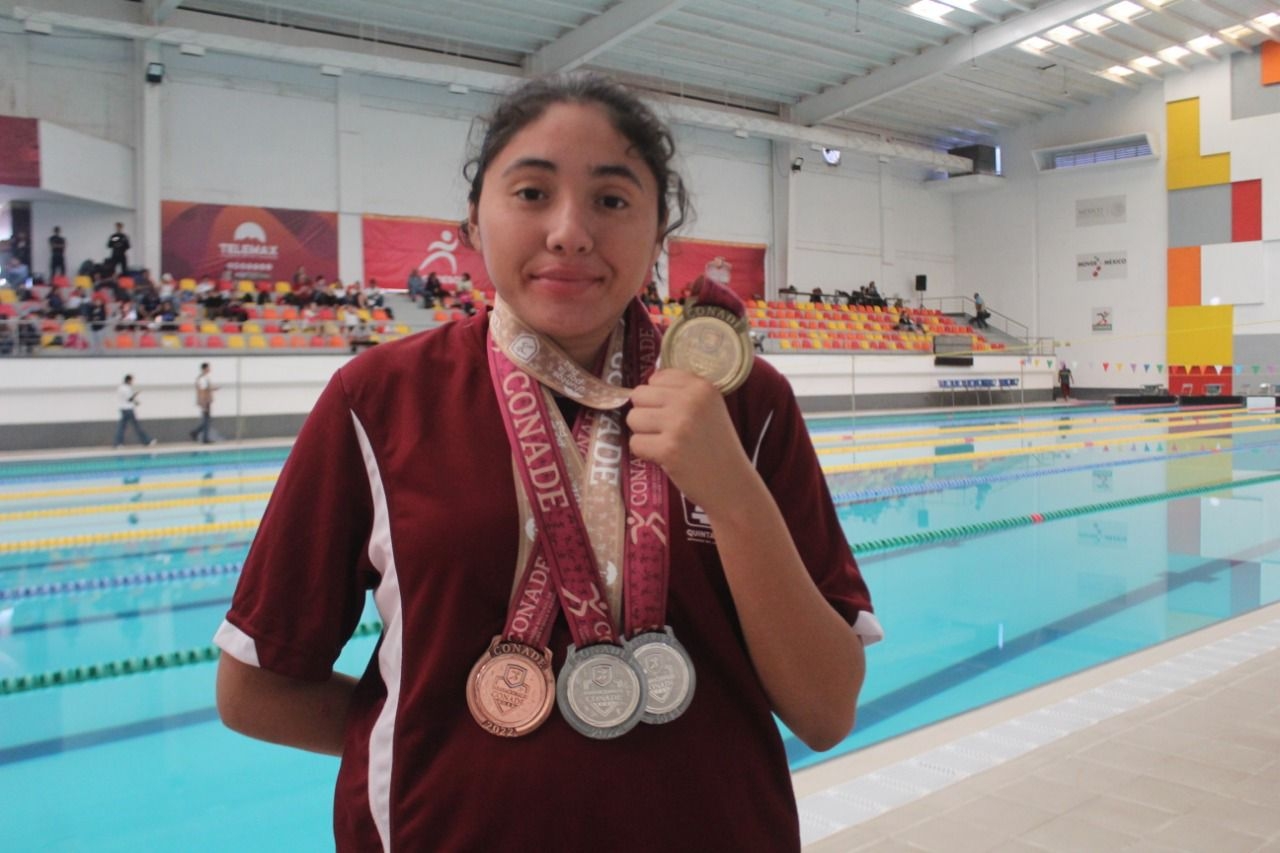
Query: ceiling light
point(740, 133)
point(1204, 42)
point(929, 9)
point(1239, 31)
point(1124, 10)
point(331, 70)
point(966, 5)
point(1270, 19)
point(1120, 71)
point(1035, 44)
point(1064, 34)
point(1146, 61)
point(1173, 54)
point(1160, 2)
point(191, 49)
point(1094, 22)
point(458, 89)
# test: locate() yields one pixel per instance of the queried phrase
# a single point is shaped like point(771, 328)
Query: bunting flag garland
point(1105, 365)
point(1256, 368)
point(1146, 368)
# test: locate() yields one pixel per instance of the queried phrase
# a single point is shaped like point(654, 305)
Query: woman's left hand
point(679, 421)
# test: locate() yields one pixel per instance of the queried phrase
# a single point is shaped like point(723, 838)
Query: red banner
point(239, 242)
point(743, 263)
point(396, 246)
point(19, 152)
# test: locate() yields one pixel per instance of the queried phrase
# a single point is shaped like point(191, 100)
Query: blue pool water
point(1004, 549)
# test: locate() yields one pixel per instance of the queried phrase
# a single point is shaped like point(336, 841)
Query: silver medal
point(601, 690)
point(668, 674)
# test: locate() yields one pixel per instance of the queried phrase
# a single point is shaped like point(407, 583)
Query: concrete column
point(350, 185)
point(147, 153)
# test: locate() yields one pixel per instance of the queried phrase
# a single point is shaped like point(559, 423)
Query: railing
point(966, 305)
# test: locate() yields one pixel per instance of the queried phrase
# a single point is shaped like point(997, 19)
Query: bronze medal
point(711, 342)
point(511, 689)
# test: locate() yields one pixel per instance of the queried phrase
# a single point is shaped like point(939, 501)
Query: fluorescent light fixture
point(929, 9)
point(1239, 31)
point(191, 49)
point(331, 70)
point(966, 5)
point(1146, 62)
point(1064, 34)
point(1120, 71)
point(1124, 10)
point(1173, 54)
point(1202, 43)
point(458, 89)
point(1094, 22)
point(1035, 44)
point(741, 133)
point(1268, 20)
point(42, 28)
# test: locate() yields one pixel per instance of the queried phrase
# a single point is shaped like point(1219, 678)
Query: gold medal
point(711, 342)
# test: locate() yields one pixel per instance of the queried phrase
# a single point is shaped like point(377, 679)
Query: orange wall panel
point(1184, 276)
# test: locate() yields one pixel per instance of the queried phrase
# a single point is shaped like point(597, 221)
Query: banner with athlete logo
point(395, 246)
point(738, 265)
point(20, 142)
point(239, 242)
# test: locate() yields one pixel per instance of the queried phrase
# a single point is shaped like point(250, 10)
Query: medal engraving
point(511, 690)
point(601, 691)
point(711, 342)
point(668, 674)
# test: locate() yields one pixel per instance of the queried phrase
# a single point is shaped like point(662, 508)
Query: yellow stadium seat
point(208, 328)
point(235, 341)
point(257, 342)
point(8, 297)
point(245, 286)
point(83, 281)
point(170, 342)
point(283, 287)
point(187, 284)
point(252, 328)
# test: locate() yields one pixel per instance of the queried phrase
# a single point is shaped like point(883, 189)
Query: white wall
point(76, 164)
point(1018, 244)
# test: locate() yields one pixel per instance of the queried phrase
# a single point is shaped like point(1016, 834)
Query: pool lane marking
point(1225, 431)
point(173, 503)
point(84, 539)
point(133, 666)
point(928, 537)
point(137, 487)
point(1040, 432)
point(116, 581)
point(1008, 424)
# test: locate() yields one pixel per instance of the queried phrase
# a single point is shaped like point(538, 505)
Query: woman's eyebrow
point(618, 170)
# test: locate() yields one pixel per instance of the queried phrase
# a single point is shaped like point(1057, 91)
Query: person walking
point(204, 399)
point(118, 243)
point(1064, 380)
point(127, 397)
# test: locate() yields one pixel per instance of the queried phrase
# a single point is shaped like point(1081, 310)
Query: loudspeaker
point(922, 283)
point(155, 72)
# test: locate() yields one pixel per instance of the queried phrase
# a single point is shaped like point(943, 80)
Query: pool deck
point(1176, 748)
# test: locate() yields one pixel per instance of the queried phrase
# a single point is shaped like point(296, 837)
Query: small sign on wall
point(1096, 266)
point(1102, 319)
point(1109, 210)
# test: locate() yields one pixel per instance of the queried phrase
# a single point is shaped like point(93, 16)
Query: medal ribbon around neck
point(607, 510)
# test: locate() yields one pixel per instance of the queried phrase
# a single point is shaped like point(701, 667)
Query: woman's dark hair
point(650, 139)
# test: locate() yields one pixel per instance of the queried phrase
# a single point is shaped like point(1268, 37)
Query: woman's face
point(567, 222)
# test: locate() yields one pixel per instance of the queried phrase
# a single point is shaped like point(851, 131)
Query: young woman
point(710, 528)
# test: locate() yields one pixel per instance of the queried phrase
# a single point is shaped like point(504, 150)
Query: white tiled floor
point(1176, 748)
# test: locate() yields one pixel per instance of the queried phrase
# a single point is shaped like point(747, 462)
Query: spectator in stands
point(300, 277)
point(904, 321)
point(204, 399)
point(980, 312)
point(20, 248)
point(789, 293)
point(57, 254)
point(127, 402)
point(416, 285)
point(118, 245)
point(815, 296)
point(1064, 380)
point(433, 291)
point(97, 318)
point(28, 335)
point(650, 297)
point(7, 344)
point(873, 297)
point(375, 299)
point(168, 287)
point(465, 297)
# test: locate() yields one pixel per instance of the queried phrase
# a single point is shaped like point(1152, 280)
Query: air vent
point(1138, 148)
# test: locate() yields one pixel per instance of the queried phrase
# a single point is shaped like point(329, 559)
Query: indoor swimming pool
point(1004, 549)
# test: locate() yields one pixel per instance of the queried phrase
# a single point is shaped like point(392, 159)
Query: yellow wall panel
point(1185, 166)
point(1200, 334)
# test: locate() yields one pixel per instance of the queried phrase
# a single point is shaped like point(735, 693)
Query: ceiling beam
point(158, 10)
point(888, 81)
point(597, 35)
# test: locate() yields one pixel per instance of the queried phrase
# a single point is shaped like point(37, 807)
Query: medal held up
point(712, 338)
